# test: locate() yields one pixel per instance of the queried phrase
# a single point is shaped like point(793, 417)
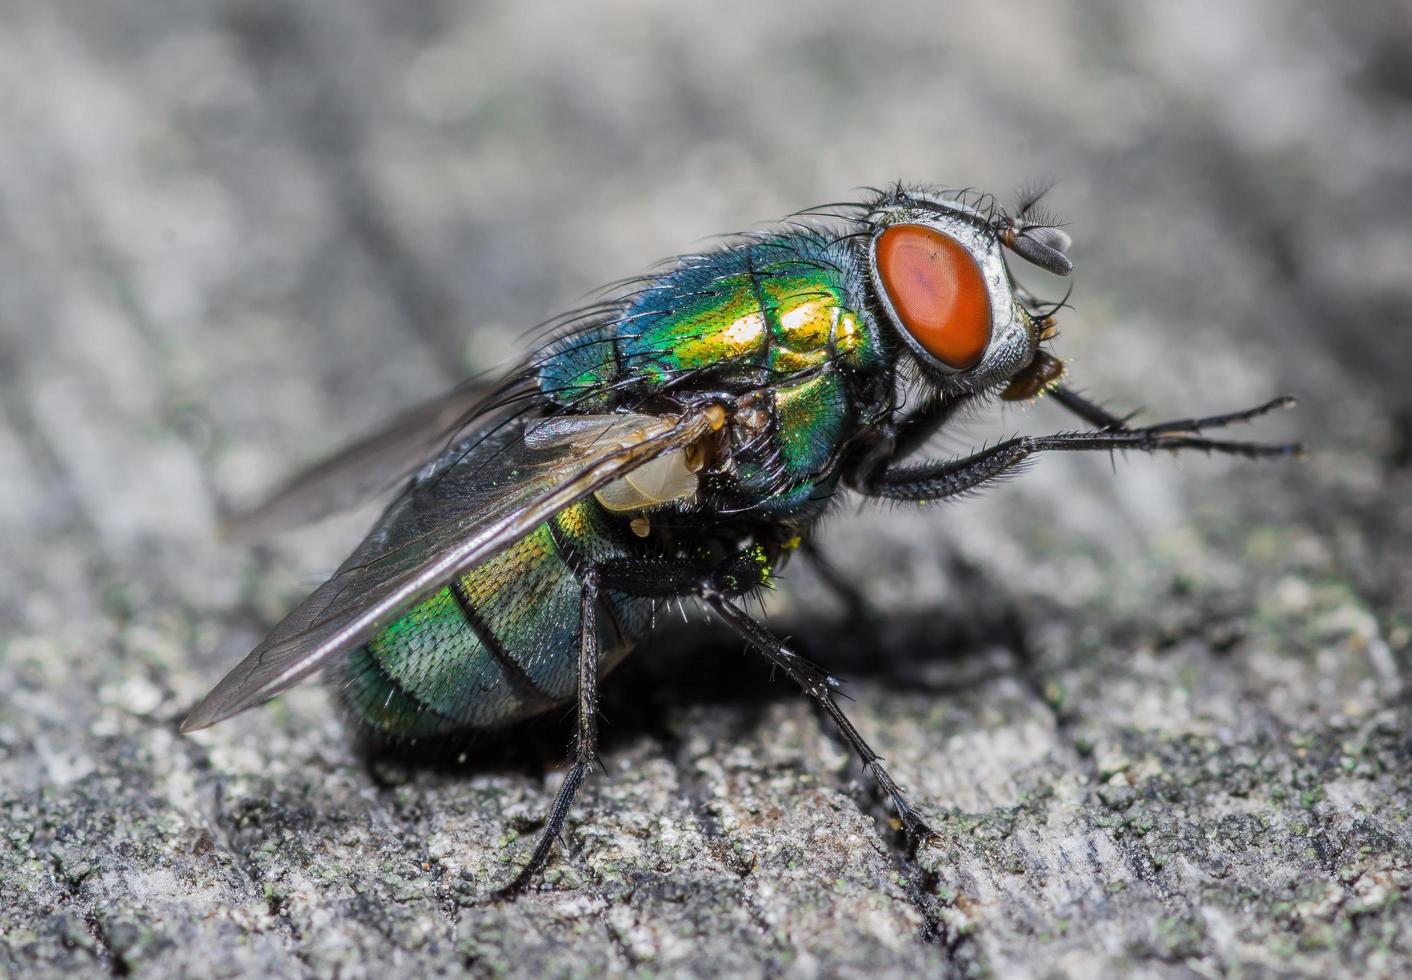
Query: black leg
point(900, 440)
point(914, 430)
point(654, 577)
point(585, 738)
point(1095, 415)
point(934, 481)
point(816, 683)
point(854, 602)
point(1102, 419)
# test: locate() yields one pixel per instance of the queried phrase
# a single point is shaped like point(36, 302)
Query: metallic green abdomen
point(500, 643)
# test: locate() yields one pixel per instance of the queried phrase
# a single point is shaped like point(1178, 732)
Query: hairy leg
point(938, 480)
point(585, 752)
point(821, 688)
point(853, 600)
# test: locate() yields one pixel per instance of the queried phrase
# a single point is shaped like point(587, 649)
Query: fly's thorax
point(811, 323)
point(764, 320)
point(742, 315)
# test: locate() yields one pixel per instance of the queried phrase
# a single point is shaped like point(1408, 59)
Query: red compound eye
point(937, 291)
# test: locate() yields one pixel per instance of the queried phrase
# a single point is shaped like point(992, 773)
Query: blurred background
point(240, 234)
point(236, 233)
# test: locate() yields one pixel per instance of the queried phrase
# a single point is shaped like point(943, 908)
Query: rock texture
point(1158, 709)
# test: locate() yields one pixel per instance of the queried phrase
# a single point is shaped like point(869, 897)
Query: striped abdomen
point(501, 642)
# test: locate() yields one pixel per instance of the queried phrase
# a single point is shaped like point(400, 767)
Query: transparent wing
point(479, 498)
point(375, 464)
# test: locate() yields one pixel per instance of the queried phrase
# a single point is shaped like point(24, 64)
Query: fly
point(678, 441)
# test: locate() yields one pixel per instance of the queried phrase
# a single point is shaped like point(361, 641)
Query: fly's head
point(939, 273)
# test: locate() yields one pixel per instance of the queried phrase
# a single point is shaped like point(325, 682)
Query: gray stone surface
point(1158, 709)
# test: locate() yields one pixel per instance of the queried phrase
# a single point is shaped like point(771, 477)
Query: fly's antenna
point(1035, 236)
point(1027, 198)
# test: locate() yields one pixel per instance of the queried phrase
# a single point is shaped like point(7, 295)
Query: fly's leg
point(903, 438)
point(915, 429)
point(585, 737)
point(859, 609)
point(934, 481)
point(1095, 415)
point(741, 574)
point(645, 577)
point(821, 688)
point(653, 578)
point(1105, 421)
point(738, 573)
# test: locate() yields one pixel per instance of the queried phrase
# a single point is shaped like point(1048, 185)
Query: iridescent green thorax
point(759, 312)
